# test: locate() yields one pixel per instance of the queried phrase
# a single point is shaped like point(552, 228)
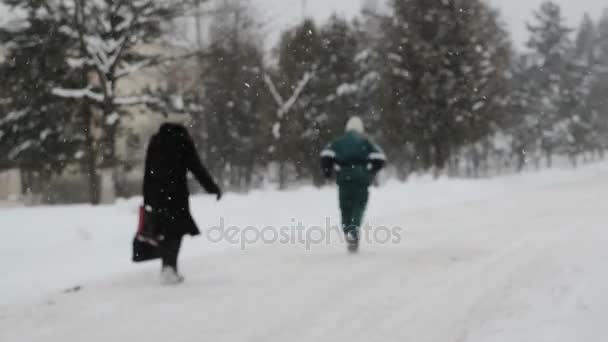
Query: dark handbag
point(147, 242)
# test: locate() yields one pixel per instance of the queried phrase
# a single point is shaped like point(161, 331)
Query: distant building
point(10, 186)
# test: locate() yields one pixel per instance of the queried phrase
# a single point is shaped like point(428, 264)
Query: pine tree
point(38, 132)
point(110, 36)
point(368, 65)
point(233, 97)
point(522, 122)
point(486, 89)
point(298, 59)
point(335, 87)
point(445, 78)
point(331, 95)
point(550, 59)
point(583, 116)
point(599, 87)
point(103, 43)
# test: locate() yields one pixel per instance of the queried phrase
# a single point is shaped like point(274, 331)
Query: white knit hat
point(355, 124)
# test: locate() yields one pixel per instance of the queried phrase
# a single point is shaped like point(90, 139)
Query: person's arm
point(328, 158)
point(194, 165)
point(377, 158)
point(148, 171)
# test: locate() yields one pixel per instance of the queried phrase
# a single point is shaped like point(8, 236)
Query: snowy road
point(527, 265)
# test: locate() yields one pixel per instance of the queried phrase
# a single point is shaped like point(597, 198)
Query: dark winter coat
point(354, 158)
point(171, 154)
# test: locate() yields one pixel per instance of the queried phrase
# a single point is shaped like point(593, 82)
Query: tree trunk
point(249, 172)
point(453, 165)
point(574, 160)
point(90, 163)
point(485, 159)
point(402, 171)
point(436, 172)
point(402, 174)
point(93, 179)
point(521, 161)
point(282, 175)
point(118, 181)
point(26, 181)
point(32, 184)
point(439, 159)
point(468, 168)
point(476, 158)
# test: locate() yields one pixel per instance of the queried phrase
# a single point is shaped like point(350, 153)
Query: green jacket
point(354, 158)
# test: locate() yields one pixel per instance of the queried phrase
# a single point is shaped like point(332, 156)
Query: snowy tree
point(599, 87)
point(335, 87)
point(318, 67)
point(582, 116)
point(38, 133)
point(550, 58)
point(103, 43)
point(586, 39)
point(486, 69)
point(368, 60)
point(233, 97)
point(445, 68)
point(522, 122)
point(296, 132)
point(111, 36)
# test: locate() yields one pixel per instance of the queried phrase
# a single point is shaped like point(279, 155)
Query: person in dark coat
point(171, 154)
point(356, 161)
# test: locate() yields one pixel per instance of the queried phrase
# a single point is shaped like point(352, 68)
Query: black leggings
point(171, 247)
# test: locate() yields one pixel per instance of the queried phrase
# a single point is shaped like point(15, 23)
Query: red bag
point(145, 247)
point(140, 225)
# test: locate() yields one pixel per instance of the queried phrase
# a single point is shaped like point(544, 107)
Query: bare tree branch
point(85, 93)
point(285, 106)
point(273, 91)
point(152, 62)
point(296, 94)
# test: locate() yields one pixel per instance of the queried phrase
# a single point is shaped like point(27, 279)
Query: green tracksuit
point(356, 160)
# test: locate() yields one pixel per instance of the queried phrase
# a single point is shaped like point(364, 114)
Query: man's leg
point(360, 198)
point(171, 247)
point(346, 207)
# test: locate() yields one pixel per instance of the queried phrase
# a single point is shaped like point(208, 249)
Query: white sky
point(280, 14)
point(517, 12)
point(284, 13)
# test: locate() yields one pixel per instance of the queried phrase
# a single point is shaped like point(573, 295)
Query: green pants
point(353, 200)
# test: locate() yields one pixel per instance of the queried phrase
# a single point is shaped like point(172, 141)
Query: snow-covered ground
point(519, 258)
